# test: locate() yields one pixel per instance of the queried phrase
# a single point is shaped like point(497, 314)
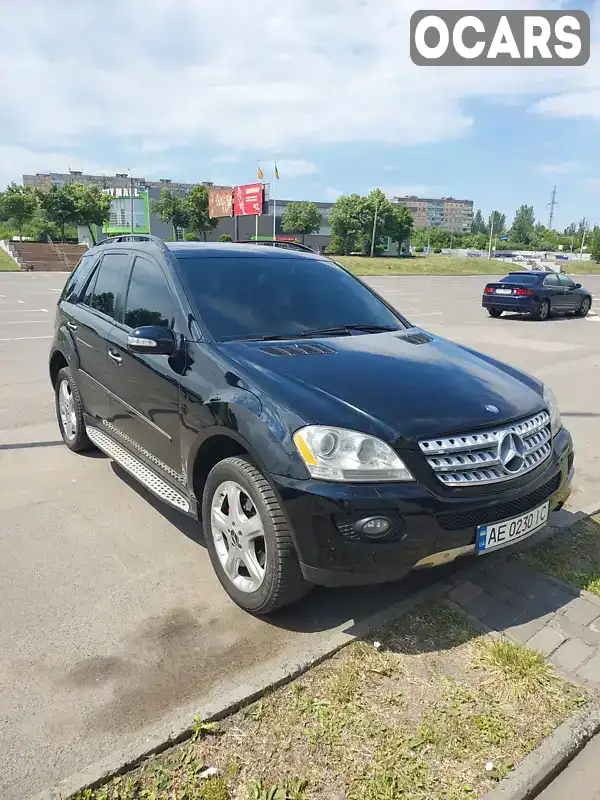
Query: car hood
point(386, 385)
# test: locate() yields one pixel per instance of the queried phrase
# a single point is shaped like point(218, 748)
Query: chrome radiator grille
point(490, 456)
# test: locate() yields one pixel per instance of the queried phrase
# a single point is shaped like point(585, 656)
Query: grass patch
point(573, 557)
point(7, 264)
point(423, 265)
point(437, 711)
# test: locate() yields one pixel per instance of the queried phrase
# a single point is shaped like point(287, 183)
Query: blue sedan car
point(537, 293)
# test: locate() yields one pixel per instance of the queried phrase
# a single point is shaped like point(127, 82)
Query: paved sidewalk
point(581, 779)
point(563, 623)
point(533, 609)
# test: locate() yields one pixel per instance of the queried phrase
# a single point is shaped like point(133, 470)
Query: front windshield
point(254, 297)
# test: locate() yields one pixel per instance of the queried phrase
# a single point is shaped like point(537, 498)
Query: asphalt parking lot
point(112, 619)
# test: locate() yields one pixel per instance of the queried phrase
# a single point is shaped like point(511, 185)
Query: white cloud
point(332, 194)
point(292, 168)
point(562, 168)
point(315, 73)
point(226, 159)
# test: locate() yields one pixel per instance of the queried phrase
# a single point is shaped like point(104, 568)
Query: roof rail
point(134, 237)
point(278, 243)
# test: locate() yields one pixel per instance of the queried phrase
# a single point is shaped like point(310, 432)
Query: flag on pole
point(276, 173)
point(259, 173)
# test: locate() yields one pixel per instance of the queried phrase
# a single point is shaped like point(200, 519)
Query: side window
point(566, 282)
point(74, 285)
point(111, 274)
point(149, 300)
point(552, 280)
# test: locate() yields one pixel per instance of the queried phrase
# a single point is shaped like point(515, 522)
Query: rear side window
point(552, 280)
point(149, 300)
point(78, 277)
point(102, 293)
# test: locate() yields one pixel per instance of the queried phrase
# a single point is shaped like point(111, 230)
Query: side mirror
point(578, 286)
point(152, 339)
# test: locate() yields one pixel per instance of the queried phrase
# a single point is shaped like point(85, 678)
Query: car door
point(144, 387)
point(571, 297)
point(90, 321)
point(554, 292)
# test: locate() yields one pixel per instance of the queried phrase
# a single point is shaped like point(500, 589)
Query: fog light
point(373, 527)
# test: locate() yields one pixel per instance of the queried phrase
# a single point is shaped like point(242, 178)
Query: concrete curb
point(213, 708)
point(542, 765)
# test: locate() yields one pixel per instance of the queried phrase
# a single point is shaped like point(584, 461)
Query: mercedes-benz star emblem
point(512, 452)
point(492, 409)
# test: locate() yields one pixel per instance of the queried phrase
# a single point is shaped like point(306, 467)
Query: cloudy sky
point(199, 90)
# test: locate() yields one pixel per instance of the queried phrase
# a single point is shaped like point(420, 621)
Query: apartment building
point(122, 180)
point(447, 213)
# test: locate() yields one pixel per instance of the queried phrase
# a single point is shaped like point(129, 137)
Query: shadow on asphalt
point(30, 445)
point(323, 609)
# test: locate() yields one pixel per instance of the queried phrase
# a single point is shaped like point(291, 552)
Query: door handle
point(71, 326)
point(114, 356)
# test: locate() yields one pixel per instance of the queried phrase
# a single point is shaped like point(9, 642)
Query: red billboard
point(248, 200)
point(220, 202)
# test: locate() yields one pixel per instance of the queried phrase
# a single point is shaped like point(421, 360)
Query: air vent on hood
point(416, 338)
point(313, 349)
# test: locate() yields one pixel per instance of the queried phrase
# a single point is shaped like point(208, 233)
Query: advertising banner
point(248, 200)
point(220, 202)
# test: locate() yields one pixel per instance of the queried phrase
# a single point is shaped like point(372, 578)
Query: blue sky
point(326, 87)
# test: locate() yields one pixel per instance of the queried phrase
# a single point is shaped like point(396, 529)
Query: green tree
point(172, 209)
point(376, 216)
point(402, 225)
point(571, 230)
point(583, 226)
point(522, 227)
point(40, 228)
point(302, 217)
point(19, 203)
point(595, 244)
point(59, 206)
point(196, 208)
point(499, 223)
point(345, 221)
point(478, 224)
point(92, 207)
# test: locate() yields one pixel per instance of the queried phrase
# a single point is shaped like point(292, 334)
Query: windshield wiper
point(346, 330)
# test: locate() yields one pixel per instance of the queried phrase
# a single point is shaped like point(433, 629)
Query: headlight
point(556, 422)
point(336, 454)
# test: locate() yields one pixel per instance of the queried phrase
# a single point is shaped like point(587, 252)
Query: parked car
point(318, 436)
point(537, 293)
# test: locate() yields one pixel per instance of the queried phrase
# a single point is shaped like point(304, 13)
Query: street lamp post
point(131, 200)
point(491, 237)
point(374, 228)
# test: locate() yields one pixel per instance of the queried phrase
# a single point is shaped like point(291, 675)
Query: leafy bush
point(191, 237)
point(419, 249)
point(225, 237)
point(437, 249)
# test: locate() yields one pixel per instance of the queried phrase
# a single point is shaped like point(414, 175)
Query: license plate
point(495, 535)
point(503, 291)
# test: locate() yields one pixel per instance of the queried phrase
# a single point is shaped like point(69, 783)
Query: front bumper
point(322, 516)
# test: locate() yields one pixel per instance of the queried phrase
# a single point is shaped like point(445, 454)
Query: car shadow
point(352, 609)
point(506, 317)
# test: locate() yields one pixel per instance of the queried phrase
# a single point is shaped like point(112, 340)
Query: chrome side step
point(139, 470)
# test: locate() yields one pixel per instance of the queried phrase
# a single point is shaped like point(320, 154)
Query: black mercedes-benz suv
point(318, 436)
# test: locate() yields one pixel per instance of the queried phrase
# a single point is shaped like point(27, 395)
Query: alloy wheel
point(239, 537)
point(66, 407)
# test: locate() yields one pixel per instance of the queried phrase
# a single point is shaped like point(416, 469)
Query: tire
point(69, 412)
point(494, 312)
point(271, 551)
point(584, 308)
point(543, 311)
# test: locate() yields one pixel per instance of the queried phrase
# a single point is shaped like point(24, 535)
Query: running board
point(138, 470)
